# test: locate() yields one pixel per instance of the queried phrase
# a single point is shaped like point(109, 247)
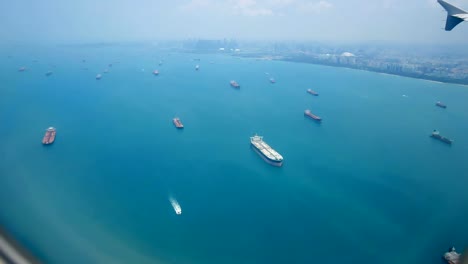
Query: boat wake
point(175, 205)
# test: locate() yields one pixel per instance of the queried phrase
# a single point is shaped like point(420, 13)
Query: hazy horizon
point(337, 21)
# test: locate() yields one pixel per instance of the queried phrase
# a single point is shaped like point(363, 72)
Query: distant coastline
point(309, 60)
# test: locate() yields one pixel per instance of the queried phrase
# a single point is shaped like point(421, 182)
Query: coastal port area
point(214, 148)
point(270, 155)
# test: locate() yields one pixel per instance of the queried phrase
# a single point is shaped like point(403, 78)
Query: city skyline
point(395, 21)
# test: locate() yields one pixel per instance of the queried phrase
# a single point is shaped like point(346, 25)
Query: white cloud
point(250, 8)
point(195, 4)
point(388, 4)
point(281, 3)
point(316, 7)
point(253, 8)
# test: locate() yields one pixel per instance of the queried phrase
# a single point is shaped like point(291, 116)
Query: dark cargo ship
point(441, 105)
point(436, 134)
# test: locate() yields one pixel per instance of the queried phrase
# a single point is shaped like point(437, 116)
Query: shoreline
point(428, 78)
point(412, 76)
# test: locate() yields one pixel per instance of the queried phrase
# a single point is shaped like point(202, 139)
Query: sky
point(354, 21)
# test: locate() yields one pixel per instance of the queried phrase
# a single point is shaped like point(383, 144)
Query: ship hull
point(442, 139)
point(177, 123)
point(49, 138)
point(313, 118)
point(266, 159)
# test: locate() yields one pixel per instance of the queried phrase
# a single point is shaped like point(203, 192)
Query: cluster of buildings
point(433, 68)
point(445, 64)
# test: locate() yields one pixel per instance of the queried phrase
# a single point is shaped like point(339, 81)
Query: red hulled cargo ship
point(49, 136)
point(177, 123)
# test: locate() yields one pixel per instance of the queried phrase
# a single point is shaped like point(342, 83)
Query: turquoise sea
point(368, 184)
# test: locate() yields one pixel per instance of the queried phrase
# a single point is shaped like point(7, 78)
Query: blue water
point(366, 184)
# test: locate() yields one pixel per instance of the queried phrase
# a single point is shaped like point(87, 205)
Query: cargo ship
point(452, 257)
point(49, 73)
point(272, 80)
point(22, 69)
point(156, 72)
point(436, 134)
point(441, 105)
point(49, 136)
point(177, 122)
point(234, 84)
point(309, 114)
point(197, 67)
point(98, 77)
point(265, 151)
point(175, 205)
point(312, 92)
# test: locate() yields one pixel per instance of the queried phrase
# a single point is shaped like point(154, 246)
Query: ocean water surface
point(366, 184)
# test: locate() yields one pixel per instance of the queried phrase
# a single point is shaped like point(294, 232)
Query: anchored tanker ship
point(234, 84)
point(312, 92)
point(49, 136)
point(265, 151)
point(177, 122)
point(309, 114)
point(436, 134)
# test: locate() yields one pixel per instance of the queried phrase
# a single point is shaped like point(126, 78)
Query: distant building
point(347, 54)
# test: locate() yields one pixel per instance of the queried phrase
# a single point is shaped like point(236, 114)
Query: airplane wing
point(452, 22)
point(455, 15)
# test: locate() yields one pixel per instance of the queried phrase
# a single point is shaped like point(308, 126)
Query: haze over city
point(398, 21)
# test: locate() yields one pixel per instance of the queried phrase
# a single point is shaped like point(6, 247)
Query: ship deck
point(267, 150)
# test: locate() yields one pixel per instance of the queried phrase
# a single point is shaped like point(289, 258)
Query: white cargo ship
point(268, 154)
